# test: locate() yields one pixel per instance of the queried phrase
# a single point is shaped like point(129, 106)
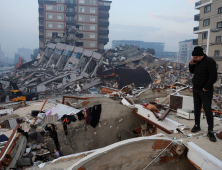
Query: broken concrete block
point(24, 162)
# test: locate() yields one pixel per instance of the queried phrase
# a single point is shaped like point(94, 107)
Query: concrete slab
point(62, 109)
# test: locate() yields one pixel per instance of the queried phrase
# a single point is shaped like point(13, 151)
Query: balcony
point(70, 21)
point(103, 40)
point(41, 9)
point(103, 23)
point(197, 17)
point(103, 15)
point(41, 28)
point(41, 19)
point(103, 31)
point(70, 3)
point(50, 2)
point(70, 12)
point(103, 7)
point(197, 3)
point(195, 41)
point(195, 28)
point(41, 36)
point(40, 1)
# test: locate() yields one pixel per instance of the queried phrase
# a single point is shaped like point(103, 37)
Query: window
point(49, 25)
point(93, 19)
point(92, 44)
point(220, 10)
point(217, 53)
point(81, 18)
point(60, 26)
point(81, 1)
point(92, 27)
point(207, 9)
point(60, 8)
point(218, 39)
point(49, 34)
point(92, 10)
point(93, 2)
point(60, 0)
point(81, 27)
point(204, 35)
point(81, 9)
point(59, 16)
point(219, 24)
point(49, 16)
point(49, 7)
point(92, 35)
point(206, 22)
point(204, 48)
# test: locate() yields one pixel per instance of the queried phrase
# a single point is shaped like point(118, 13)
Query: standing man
point(205, 75)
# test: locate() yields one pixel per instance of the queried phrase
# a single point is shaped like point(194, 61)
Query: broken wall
point(115, 119)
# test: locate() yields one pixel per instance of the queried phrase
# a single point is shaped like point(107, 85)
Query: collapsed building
point(70, 69)
point(60, 66)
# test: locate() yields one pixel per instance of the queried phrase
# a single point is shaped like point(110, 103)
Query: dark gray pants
point(203, 97)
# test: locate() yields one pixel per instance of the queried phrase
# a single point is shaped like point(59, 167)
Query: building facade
point(90, 18)
point(185, 51)
point(159, 47)
point(210, 32)
point(167, 54)
point(210, 26)
point(25, 53)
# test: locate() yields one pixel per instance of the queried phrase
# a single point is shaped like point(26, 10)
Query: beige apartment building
point(210, 32)
point(90, 17)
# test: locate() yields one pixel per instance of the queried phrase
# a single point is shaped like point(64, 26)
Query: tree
point(35, 54)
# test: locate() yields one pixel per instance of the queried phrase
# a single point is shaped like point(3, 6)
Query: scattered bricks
point(219, 135)
point(81, 168)
point(158, 144)
point(84, 103)
point(166, 143)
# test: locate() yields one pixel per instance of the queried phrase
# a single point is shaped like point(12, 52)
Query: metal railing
point(103, 15)
point(103, 40)
point(104, 23)
point(70, 2)
point(41, 36)
point(103, 31)
point(197, 17)
point(198, 3)
point(195, 28)
point(41, 27)
point(195, 41)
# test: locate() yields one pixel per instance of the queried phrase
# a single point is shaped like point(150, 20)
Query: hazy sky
point(168, 21)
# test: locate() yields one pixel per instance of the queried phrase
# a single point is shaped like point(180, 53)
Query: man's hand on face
point(204, 89)
point(192, 62)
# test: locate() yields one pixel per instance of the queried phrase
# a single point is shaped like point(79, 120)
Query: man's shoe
point(195, 129)
point(211, 136)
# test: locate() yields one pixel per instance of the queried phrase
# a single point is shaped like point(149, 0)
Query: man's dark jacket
point(205, 73)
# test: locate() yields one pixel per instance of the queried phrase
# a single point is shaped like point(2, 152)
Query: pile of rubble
point(69, 69)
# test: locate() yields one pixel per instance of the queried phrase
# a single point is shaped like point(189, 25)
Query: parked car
point(93, 91)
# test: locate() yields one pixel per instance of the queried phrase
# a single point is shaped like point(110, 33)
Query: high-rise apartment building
point(210, 32)
point(159, 47)
point(210, 26)
point(25, 53)
point(90, 18)
point(185, 51)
